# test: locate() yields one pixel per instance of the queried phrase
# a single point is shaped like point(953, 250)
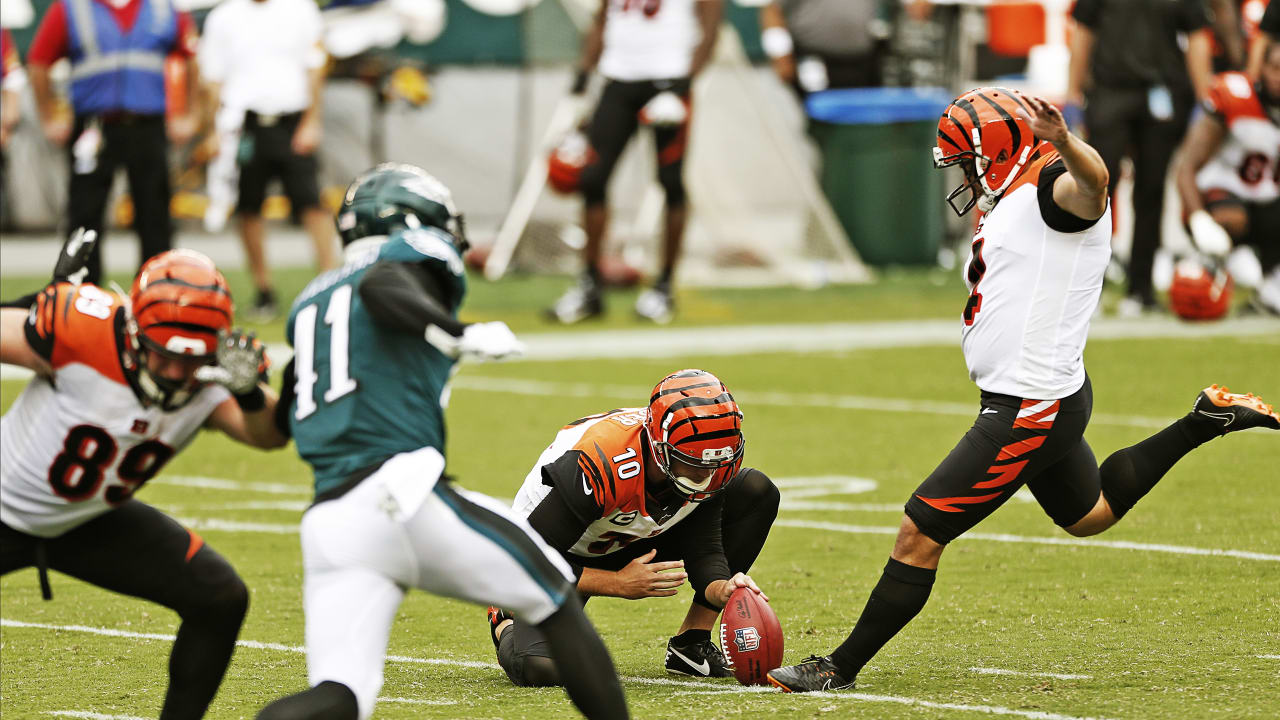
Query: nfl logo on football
point(747, 639)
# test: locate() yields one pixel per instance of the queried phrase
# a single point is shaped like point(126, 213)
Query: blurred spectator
point(1138, 87)
point(1229, 178)
point(12, 80)
point(117, 50)
point(649, 52)
point(264, 58)
point(1269, 29)
point(819, 44)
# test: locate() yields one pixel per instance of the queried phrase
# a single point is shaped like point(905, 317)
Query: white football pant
point(400, 528)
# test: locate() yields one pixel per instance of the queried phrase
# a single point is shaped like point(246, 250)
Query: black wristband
point(580, 82)
point(252, 401)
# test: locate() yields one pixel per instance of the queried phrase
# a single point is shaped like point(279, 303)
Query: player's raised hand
point(73, 259)
point(241, 360)
point(642, 578)
point(1046, 120)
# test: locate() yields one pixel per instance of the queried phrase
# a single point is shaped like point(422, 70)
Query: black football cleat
point(698, 659)
point(497, 616)
point(814, 674)
point(1234, 411)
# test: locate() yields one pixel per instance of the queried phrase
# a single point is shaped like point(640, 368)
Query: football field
point(851, 397)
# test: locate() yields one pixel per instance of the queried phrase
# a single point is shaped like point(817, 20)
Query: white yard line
point(1269, 657)
point(88, 715)
point(210, 483)
point(694, 687)
point(285, 505)
point(1072, 541)
point(917, 702)
point(252, 644)
point(750, 398)
point(1019, 673)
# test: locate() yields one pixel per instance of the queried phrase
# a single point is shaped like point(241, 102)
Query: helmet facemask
point(722, 462)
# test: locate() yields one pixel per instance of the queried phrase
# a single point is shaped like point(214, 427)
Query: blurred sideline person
point(1035, 275)
point(265, 57)
point(638, 500)
point(375, 343)
point(1229, 178)
point(649, 52)
point(1138, 86)
point(13, 80)
point(816, 45)
point(117, 50)
point(122, 385)
point(1268, 31)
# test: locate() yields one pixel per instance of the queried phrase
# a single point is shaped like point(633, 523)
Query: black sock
point(327, 701)
point(689, 637)
point(1130, 473)
point(591, 276)
point(663, 285)
point(901, 593)
point(202, 651)
point(589, 677)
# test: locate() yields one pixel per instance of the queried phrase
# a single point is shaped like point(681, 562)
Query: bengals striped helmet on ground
point(694, 422)
point(178, 304)
point(987, 133)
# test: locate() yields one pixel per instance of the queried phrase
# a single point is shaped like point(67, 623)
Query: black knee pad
point(327, 701)
point(218, 593)
point(757, 486)
point(523, 668)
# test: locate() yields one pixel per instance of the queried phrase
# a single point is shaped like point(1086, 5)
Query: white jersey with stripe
point(1033, 291)
point(649, 39)
point(75, 446)
point(1247, 163)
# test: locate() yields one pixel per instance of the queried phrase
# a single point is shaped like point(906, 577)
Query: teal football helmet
point(396, 196)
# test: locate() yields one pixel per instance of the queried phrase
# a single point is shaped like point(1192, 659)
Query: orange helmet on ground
point(566, 162)
point(986, 132)
point(1197, 293)
point(693, 419)
point(178, 304)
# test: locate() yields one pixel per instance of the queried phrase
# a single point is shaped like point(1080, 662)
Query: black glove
point(73, 259)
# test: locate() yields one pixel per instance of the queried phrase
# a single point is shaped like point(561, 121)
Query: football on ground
point(750, 636)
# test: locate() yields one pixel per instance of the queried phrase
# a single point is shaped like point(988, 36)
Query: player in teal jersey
point(375, 343)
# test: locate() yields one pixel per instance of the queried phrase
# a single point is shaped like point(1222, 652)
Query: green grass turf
point(1160, 635)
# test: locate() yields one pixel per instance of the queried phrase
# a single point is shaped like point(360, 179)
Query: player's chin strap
point(42, 569)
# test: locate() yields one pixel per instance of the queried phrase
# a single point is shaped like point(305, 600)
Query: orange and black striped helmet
point(178, 304)
point(987, 132)
point(693, 421)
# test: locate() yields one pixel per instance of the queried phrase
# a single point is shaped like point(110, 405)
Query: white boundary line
point(695, 687)
point(212, 483)
point(1002, 671)
point(1269, 657)
point(1073, 541)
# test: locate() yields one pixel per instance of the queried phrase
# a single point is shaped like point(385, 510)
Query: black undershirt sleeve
point(1054, 216)
point(559, 526)
point(285, 404)
point(1270, 22)
point(406, 296)
point(703, 543)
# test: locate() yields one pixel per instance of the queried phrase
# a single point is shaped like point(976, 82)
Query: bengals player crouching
point(122, 385)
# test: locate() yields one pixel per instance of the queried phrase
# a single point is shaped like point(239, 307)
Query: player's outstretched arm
point(640, 578)
point(14, 348)
point(1082, 190)
point(249, 416)
point(253, 427)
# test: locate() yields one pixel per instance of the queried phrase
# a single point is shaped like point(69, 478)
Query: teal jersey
point(366, 392)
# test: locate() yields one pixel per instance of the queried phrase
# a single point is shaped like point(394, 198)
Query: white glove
point(1209, 236)
point(240, 361)
point(483, 341)
point(664, 110)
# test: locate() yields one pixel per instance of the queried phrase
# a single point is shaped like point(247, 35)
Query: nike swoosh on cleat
point(586, 486)
point(1229, 417)
point(704, 668)
point(988, 410)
